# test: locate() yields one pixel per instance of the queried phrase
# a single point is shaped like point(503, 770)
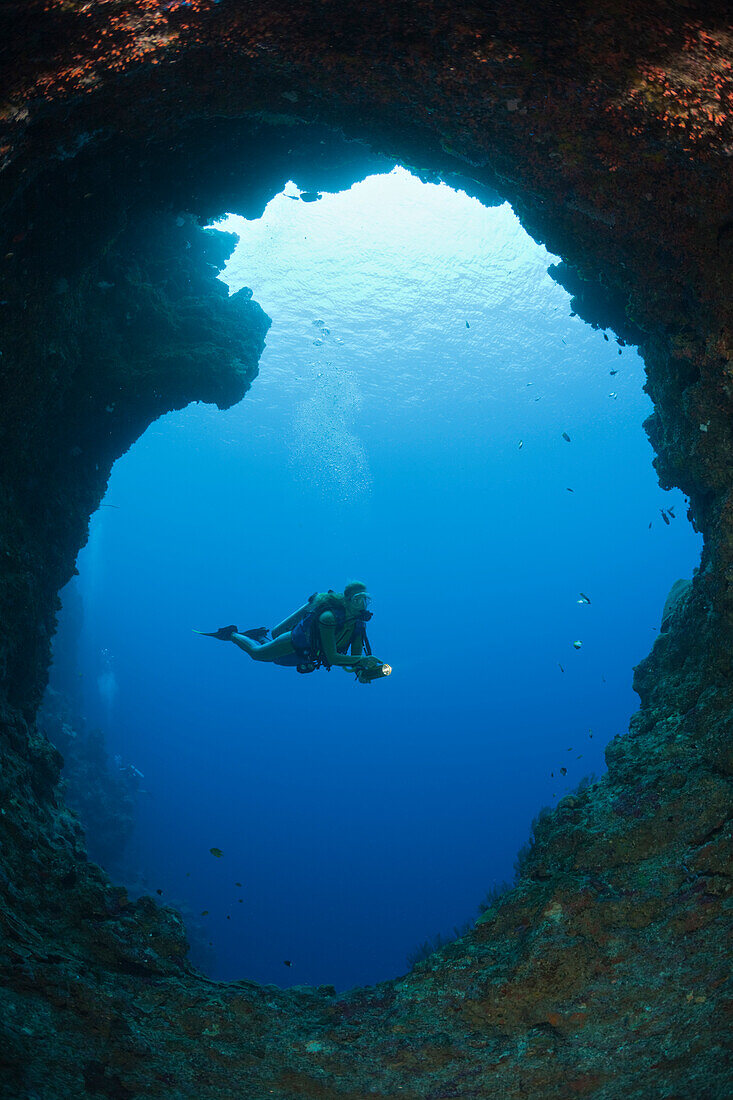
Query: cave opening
point(610, 134)
point(431, 417)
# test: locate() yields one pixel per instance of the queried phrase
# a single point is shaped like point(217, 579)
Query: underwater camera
point(372, 669)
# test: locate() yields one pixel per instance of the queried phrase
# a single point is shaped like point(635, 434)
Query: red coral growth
point(692, 91)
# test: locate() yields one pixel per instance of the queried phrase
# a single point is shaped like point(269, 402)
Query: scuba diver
point(330, 629)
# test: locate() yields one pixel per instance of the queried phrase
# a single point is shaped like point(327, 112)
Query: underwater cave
point(410, 424)
point(437, 413)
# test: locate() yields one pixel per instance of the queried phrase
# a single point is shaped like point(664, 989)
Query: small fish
point(467, 325)
point(309, 196)
point(552, 775)
point(287, 962)
point(664, 516)
point(605, 337)
point(566, 437)
point(521, 444)
point(159, 891)
point(579, 756)
point(238, 884)
point(216, 852)
point(204, 912)
point(613, 395)
point(560, 667)
point(670, 512)
point(619, 351)
point(650, 526)
point(570, 749)
point(577, 644)
point(563, 771)
point(228, 917)
point(583, 598)
point(240, 900)
point(613, 372)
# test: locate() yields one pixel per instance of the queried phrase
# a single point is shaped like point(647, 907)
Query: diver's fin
point(224, 633)
point(257, 634)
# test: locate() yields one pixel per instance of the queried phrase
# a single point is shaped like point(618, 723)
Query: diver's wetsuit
point(301, 637)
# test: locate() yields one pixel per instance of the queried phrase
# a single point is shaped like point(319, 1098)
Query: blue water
point(417, 341)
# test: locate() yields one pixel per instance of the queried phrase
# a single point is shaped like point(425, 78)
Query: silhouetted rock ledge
point(604, 972)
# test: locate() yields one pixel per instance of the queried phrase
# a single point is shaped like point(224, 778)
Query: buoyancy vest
point(306, 634)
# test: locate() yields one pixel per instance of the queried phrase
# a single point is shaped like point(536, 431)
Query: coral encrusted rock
point(125, 127)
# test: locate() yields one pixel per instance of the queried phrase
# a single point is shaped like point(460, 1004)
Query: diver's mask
point(359, 603)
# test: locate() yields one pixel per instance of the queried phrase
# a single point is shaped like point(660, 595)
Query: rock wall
point(125, 127)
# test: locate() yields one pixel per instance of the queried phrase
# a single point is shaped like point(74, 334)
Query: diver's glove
point(371, 668)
